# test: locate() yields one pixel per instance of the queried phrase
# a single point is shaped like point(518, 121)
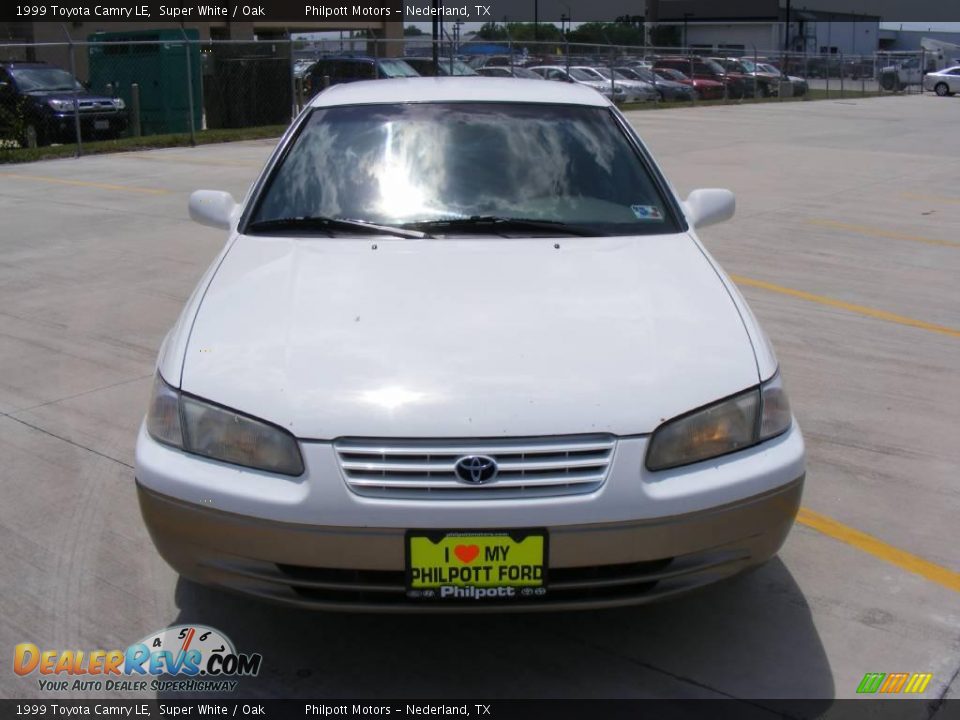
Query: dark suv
point(351, 69)
point(36, 106)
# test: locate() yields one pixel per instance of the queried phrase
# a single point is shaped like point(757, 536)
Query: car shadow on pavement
point(749, 637)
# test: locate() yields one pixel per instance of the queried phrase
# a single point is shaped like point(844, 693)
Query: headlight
point(61, 105)
point(732, 424)
point(201, 428)
point(119, 103)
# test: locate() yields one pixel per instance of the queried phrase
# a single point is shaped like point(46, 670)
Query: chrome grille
point(425, 469)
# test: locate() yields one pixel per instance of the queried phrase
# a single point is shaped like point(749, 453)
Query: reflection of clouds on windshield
point(411, 170)
point(408, 163)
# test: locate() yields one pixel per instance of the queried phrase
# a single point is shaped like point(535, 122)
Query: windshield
point(715, 67)
point(396, 68)
point(44, 79)
point(409, 163)
point(459, 68)
point(582, 75)
point(748, 65)
point(671, 73)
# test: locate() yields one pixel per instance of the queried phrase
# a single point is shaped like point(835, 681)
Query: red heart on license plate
point(466, 553)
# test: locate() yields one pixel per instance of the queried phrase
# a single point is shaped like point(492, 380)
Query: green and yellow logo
point(894, 683)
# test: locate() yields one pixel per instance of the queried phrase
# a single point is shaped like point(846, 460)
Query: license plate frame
point(101, 124)
point(428, 568)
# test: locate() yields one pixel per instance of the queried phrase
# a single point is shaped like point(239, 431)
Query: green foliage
point(412, 31)
point(520, 32)
point(621, 33)
point(18, 155)
point(13, 124)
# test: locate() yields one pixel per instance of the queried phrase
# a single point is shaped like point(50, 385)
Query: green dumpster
point(156, 60)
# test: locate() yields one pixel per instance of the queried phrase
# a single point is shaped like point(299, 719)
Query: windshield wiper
point(331, 225)
point(504, 224)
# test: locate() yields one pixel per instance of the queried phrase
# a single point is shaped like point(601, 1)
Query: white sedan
point(463, 350)
point(944, 82)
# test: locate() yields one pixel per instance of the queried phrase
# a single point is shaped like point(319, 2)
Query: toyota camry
point(463, 350)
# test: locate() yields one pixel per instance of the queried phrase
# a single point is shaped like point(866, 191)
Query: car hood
point(45, 95)
point(466, 337)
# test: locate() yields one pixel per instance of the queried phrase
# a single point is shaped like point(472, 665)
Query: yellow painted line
point(879, 549)
point(880, 232)
point(85, 183)
point(850, 307)
point(186, 161)
point(931, 198)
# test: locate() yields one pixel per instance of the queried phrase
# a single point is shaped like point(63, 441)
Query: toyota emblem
point(476, 469)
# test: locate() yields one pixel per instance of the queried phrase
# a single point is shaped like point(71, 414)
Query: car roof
point(458, 89)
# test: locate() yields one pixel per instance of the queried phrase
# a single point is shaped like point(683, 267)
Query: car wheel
point(32, 137)
point(888, 81)
point(941, 89)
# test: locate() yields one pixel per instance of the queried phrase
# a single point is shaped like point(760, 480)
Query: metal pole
point(76, 91)
point(193, 129)
point(841, 75)
point(135, 110)
point(436, 32)
point(293, 80)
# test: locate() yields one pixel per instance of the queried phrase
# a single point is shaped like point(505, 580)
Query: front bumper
point(311, 542)
point(62, 124)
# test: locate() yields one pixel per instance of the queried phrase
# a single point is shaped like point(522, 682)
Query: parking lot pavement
point(845, 243)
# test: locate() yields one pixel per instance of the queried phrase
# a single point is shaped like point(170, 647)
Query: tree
point(492, 31)
point(412, 31)
point(603, 33)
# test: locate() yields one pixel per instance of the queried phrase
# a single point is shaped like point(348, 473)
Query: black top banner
point(336, 12)
point(337, 709)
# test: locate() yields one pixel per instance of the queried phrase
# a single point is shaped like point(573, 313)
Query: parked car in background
point(480, 61)
point(505, 72)
point(560, 74)
point(345, 69)
point(444, 66)
point(37, 106)
point(943, 82)
point(666, 89)
point(705, 69)
point(635, 90)
point(547, 395)
point(705, 89)
point(754, 85)
point(800, 86)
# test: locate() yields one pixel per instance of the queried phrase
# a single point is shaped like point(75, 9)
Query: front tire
point(942, 89)
point(32, 136)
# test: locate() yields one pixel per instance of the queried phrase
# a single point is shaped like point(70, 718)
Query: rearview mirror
point(212, 207)
point(709, 206)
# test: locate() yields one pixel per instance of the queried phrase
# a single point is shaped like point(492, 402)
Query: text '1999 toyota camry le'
point(463, 350)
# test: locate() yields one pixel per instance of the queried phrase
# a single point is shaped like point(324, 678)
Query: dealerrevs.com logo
point(199, 657)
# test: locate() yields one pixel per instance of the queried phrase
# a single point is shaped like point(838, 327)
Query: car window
point(419, 162)
point(396, 68)
point(578, 74)
point(44, 79)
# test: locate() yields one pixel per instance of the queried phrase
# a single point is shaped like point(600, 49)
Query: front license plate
point(101, 124)
point(476, 564)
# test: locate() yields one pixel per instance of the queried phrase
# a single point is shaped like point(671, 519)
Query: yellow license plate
point(476, 565)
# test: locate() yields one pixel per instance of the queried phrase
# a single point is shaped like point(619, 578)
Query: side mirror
point(709, 206)
point(212, 207)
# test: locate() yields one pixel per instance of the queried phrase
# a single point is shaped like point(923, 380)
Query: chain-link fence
point(170, 82)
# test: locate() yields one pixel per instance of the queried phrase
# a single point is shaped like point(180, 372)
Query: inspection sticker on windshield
point(476, 565)
point(647, 212)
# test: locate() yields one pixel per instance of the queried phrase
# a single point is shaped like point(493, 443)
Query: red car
point(706, 89)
